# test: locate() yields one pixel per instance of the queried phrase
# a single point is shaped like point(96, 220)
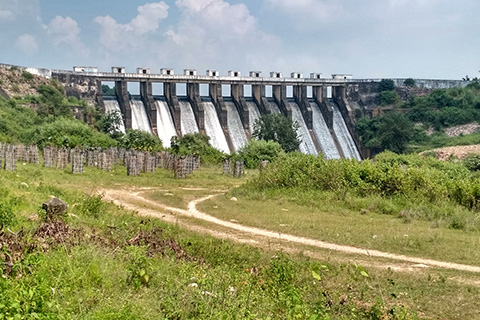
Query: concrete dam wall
point(324, 108)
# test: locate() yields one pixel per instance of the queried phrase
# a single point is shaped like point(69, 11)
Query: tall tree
point(278, 128)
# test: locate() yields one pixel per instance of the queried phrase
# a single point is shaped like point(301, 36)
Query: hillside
point(17, 83)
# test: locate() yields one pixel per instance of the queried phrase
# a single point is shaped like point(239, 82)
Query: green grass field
point(111, 264)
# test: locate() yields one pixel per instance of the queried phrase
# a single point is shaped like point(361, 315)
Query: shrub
point(6, 212)
point(388, 97)
point(409, 82)
point(141, 140)
point(257, 150)
point(196, 144)
point(472, 162)
point(386, 85)
point(27, 75)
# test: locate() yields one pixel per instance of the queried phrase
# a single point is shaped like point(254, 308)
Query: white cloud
point(308, 11)
point(122, 36)
point(27, 43)
point(65, 31)
point(12, 9)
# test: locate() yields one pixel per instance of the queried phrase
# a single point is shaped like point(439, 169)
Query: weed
point(91, 206)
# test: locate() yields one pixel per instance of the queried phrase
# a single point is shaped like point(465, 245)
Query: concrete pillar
point(146, 94)
point(121, 91)
point(300, 95)
point(258, 93)
point(215, 90)
point(238, 96)
point(325, 108)
point(193, 93)
point(280, 95)
point(99, 96)
point(170, 92)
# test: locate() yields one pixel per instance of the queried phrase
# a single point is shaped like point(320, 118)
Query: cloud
point(122, 36)
point(310, 11)
point(12, 10)
point(27, 43)
point(65, 31)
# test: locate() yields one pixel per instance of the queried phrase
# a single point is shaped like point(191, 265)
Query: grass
point(332, 221)
point(101, 274)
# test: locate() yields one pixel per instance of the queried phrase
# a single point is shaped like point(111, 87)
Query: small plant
point(409, 82)
point(139, 269)
point(91, 206)
point(27, 75)
point(6, 212)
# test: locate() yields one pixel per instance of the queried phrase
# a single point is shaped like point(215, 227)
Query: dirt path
point(253, 234)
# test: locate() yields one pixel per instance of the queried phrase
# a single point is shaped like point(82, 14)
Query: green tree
point(410, 82)
point(52, 102)
point(390, 132)
point(388, 97)
point(196, 144)
point(141, 140)
point(386, 85)
point(110, 122)
point(278, 128)
point(107, 91)
point(257, 150)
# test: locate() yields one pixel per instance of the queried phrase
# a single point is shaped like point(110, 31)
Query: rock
point(54, 208)
point(233, 199)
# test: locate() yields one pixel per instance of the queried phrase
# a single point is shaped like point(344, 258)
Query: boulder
point(54, 208)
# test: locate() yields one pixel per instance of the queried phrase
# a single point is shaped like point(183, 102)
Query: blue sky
point(367, 38)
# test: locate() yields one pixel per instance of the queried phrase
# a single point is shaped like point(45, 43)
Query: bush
point(472, 162)
point(67, 133)
point(6, 212)
point(257, 150)
point(27, 75)
point(278, 128)
point(141, 140)
point(388, 97)
point(386, 85)
point(409, 82)
point(196, 144)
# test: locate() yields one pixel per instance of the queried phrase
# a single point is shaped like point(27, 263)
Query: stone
point(54, 208)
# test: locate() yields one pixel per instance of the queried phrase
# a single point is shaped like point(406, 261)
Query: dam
point(324, 109)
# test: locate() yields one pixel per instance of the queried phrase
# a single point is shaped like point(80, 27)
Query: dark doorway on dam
point(157, 89)
point(108, 88)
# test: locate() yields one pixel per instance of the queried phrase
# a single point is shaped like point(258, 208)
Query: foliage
point(107, 91)
point(7, 215)
point(27, 75)
point(388, 97)
point(278, 128)
point(141, 140)
point(110, 122)
point(257, 150)
point(66, 132)
point(389, 175)
point(52, 102)
point(14, 120)
point(410, 82)
point(392, 131)
point(472, 162)
point(196, 144)
point(386, 85)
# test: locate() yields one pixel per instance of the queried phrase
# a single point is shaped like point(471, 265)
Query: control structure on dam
point(324, 108)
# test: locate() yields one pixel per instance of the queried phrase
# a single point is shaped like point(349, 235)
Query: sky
point(434, 39)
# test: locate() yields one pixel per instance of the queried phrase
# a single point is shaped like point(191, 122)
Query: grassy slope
point(99, 275)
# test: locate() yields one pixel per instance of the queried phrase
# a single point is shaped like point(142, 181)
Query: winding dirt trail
point(133, 200)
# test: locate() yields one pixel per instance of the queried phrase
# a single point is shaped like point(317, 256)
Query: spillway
point(188, 123)
point(139, 116)
point(253, 114)
point(344, 137)
point(165, 127)
point(272, 106)
point(113, 106)
point(213, 128)
point(307, 145)
point(235, 126)
point(322, 133)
